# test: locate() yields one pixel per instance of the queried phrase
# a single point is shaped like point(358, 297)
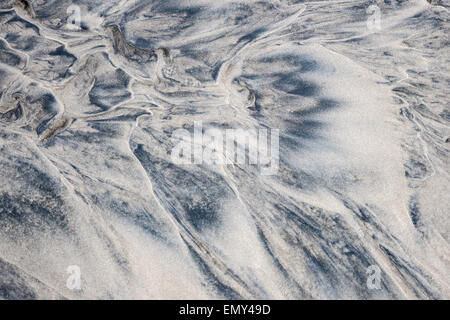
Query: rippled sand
point(86, 122)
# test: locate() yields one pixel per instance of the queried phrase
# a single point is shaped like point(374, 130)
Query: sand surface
point(361, 100)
